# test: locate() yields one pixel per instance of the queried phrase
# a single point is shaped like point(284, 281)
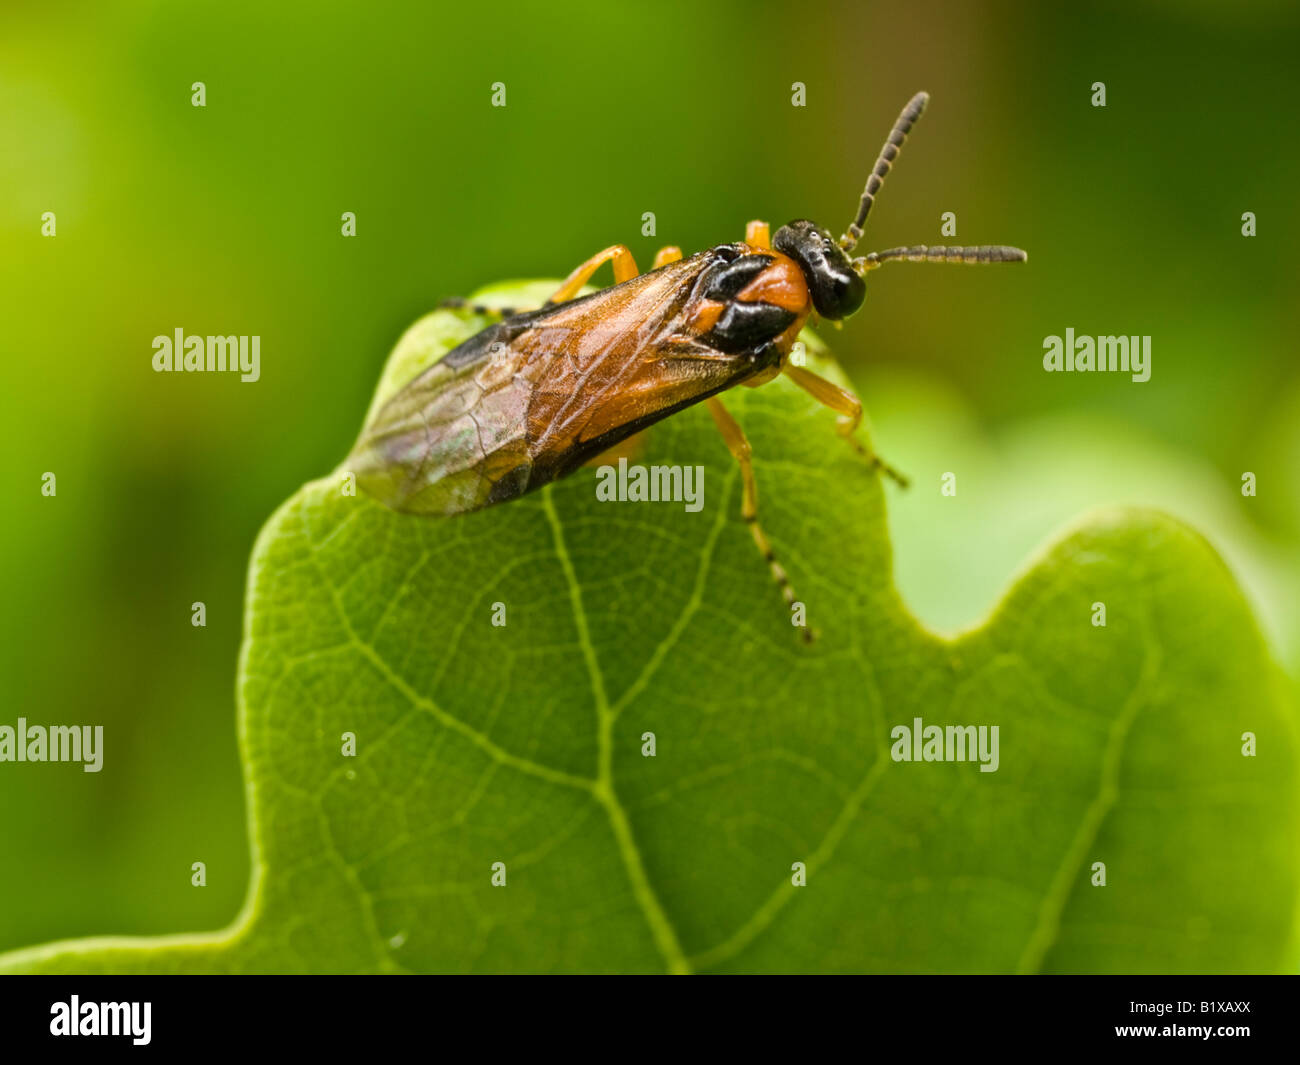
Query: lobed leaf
point(522, 744)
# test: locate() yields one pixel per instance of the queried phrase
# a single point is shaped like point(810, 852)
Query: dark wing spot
point(511, 486)
point(480, 345)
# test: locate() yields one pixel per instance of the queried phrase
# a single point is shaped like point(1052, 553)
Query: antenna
point(888, 153)
point(920, 253)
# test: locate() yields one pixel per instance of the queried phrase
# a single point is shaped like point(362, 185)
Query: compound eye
point(849, 290)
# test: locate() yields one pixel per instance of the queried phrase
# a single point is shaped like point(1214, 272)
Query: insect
point(534, 396)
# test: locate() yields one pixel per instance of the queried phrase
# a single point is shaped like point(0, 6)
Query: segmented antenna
point(921, 253)
point(888, 153)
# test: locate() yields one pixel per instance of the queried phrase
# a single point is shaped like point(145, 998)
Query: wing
point(530, 399)
point(454, 436)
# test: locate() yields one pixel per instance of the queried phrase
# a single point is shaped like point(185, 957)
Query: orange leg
point(849, 408)
point(739, 447)
point(624, 270)
point(758, 234)
point(664, 256)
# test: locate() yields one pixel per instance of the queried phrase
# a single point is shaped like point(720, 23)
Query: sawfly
point(534, 396)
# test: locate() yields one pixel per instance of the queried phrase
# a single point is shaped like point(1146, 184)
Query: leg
point(758, 234)
point(624, 270)
point(739, 448)
point(849, 408)
point(664, 256)
point(460, 303)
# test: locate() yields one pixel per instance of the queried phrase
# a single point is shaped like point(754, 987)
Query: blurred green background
point(226, 219)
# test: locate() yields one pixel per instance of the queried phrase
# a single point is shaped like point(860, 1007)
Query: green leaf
point(522, 744)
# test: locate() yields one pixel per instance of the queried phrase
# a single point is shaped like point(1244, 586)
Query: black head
point(837, 289)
